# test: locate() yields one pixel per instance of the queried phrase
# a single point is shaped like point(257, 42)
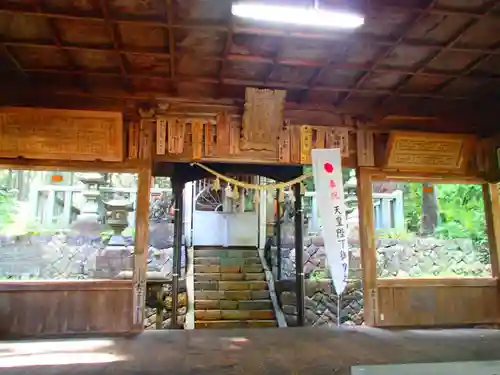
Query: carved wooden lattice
point(262, 119)
point(61, 134)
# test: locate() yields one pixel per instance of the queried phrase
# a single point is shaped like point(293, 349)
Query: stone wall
point(321, 303)
point(166, 295)
point(80, 254)
point(315, 265)
point(411, 257)
point(431, 257)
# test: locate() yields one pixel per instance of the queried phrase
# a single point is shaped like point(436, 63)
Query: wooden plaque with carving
point(284, 143)
point(234, 139)
point(38, 133)
point(427, 151)
point(133, 140)
point(295, 144)
point(365, 151)
point(319, 137)
point(262, 119)
point(306, 144)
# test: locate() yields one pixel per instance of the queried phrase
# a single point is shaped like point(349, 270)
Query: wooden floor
point(310, 351)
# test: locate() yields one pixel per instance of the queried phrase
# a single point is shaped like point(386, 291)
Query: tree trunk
point(429, 209)
point(9, 179)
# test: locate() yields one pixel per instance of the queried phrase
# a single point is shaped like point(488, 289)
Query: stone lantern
point(90, 209)
point(117, 216)
point(116, 256)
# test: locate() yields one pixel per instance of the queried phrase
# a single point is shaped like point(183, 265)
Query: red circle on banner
point(328, 167)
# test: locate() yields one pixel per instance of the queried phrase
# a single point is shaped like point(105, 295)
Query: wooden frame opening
point(59, 307)
point(426, 301)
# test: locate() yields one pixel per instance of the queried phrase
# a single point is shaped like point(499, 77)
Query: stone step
point(214, 268)
point(231, 295)
point(222, 253)
point(227, 261)
point(222, 324)
point(229, 276)
point(263, 304)
point(230, 285)
point(234, 314)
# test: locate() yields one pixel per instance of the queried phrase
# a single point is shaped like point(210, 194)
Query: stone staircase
point(231, 290)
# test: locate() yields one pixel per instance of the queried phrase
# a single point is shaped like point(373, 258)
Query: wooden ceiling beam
point(274, 61)
point(171, 36)
point(226, 52)
point(127, 103)
point(384, 53)
point(463, 73)
point(260, 59)
point(18, 67)
point(318, 73)
point(228, 45)
point(349, 41)
point(114, 37)
point(233, 103)
point(466, 71)
point(437, 10)
point(56, 37)
point(208, 80)
point(373, 9)
point(448, 46)
point(278, 85)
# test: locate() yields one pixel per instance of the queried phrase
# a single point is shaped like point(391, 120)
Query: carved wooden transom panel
point(427, 151)
point(39, 133)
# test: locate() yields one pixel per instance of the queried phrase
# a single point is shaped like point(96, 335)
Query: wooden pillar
point(178, 188)
point(492, 214)
point(299, 257)
point(278, 236)
point(368, 250)
point(142, 226)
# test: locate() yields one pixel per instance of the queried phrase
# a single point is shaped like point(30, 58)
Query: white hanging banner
point(327, 171)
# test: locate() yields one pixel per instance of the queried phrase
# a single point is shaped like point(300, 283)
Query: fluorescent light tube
point(297, 15)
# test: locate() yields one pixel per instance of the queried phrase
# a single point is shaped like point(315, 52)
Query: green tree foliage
point(7, 206)
point(461, 213)
point(413, 206)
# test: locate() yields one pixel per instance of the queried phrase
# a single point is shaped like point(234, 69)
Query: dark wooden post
point(299, 257)
point(278, 235)
point(177, 188)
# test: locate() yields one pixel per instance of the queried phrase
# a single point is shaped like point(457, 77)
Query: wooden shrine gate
point(163, 144)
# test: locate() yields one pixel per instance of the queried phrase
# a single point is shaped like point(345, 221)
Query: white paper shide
point(327, 170)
